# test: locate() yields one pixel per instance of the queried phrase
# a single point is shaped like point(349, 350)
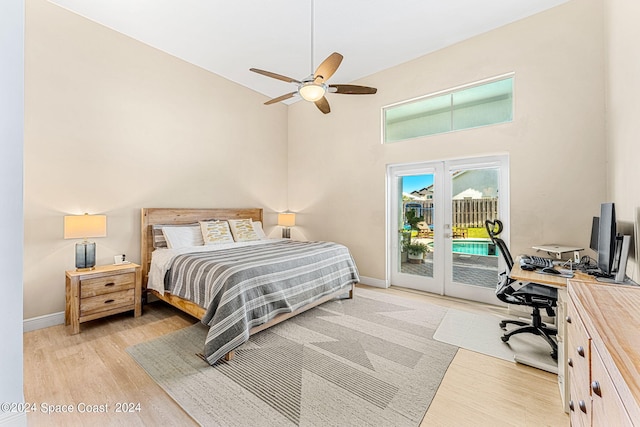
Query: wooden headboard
point(158, 216)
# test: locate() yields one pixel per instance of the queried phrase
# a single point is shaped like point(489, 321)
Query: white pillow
point(242, 230)
point(215, 232)
point(257, 227)
point(182, 237)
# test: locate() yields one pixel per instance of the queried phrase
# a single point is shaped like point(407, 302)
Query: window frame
point(448, 91)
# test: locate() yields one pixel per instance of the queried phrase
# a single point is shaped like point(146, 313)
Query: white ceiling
point(227, 37)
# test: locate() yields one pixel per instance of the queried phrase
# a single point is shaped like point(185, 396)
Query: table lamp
point(84, 227)
point(286, 220)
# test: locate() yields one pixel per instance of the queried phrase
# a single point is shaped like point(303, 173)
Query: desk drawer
point(106, 284)
point(579, 368)
point(107, 302)
point(608, 408)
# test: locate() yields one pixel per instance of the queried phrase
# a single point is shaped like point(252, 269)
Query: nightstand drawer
point(107, 302)
point(106, 284)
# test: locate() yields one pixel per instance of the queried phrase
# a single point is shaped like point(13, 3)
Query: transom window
point(480, 104)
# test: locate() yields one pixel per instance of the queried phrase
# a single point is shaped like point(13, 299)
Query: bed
point(238, 287)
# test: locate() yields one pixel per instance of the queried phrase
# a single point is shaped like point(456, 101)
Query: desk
point(603, 323)
point(610, 318)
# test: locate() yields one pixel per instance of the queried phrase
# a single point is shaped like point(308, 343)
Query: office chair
point(529, 294)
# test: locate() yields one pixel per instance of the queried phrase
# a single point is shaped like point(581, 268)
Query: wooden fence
point(468, 213)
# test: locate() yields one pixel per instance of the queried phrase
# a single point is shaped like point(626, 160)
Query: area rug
point(370, 361)
point(481, 333)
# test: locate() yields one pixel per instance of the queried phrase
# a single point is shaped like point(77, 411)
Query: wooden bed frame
point(162, 216)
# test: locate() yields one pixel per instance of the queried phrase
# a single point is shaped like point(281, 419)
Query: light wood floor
point(93, 368)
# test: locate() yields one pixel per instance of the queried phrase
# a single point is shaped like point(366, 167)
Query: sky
point(416, 182)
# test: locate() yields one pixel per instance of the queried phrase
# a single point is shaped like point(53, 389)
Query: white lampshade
point(287, 219)
point(85, 226)
point(311, 91)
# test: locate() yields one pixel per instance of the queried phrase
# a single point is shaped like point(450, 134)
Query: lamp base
point(85, 256)
point(286, 233)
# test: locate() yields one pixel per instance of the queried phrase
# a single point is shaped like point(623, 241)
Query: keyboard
point(535, 261)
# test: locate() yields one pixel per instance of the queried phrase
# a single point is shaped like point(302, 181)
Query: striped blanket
point(247, 286)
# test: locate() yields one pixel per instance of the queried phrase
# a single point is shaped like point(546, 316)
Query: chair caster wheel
point(504, 339)
point(503, 325)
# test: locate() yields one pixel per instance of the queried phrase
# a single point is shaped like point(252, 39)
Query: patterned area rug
point(367, 361)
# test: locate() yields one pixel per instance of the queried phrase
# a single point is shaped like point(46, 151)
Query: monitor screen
point(606, 238)
point(595, 229)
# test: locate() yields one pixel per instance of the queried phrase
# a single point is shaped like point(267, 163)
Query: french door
point(435, 225)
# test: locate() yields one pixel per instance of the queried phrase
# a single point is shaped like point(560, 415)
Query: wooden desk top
point(611, 313)
point(545, 279)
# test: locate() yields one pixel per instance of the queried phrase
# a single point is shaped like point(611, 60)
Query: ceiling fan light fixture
point(311, 91)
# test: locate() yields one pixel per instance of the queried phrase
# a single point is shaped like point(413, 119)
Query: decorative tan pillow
point(215, 232)
point(183, 237)
point(242, 230)
point(159, 241)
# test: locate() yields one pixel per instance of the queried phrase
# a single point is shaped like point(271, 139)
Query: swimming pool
point(472, 247)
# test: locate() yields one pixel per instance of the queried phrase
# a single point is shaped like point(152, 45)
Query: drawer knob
point(109, 301)
point(570, 362)
point(110, 284)
point(581, 350)
point(595, 386)
point(568, 319)
point(571, 405)
point(582, 406)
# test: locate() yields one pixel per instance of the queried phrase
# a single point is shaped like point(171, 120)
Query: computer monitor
point(607, 238)
point(595, 229)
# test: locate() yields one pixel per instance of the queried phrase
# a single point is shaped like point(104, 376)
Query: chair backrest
point(494, 228)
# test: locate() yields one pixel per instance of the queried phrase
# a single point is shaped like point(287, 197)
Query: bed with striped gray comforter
point(247, 286)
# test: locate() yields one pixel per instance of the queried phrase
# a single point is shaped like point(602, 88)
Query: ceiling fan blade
point(280, 98)
point(323, 105)
point(328, 67)
point(352, 89)
point(274, 75)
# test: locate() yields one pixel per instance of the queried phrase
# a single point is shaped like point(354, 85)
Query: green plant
point(412, 219)
point(417, 248)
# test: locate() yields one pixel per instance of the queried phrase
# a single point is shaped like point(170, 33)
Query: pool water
point(473, 247)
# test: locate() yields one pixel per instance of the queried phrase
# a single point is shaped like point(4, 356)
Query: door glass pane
point(474, 200)
point(416, 225)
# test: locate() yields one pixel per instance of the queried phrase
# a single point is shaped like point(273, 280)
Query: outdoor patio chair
point(424, 230)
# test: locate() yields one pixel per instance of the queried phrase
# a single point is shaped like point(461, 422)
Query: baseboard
point(41, 322)
point(54, 319)
point(13, 419)
point(376, 283)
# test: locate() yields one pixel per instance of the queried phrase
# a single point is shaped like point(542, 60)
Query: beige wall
point(556, 144)
point(622, 112)
point(113, 125)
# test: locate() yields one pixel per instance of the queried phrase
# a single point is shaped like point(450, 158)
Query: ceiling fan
point(314, 87)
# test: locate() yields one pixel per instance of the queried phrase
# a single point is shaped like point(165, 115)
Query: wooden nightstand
point(103, 291)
